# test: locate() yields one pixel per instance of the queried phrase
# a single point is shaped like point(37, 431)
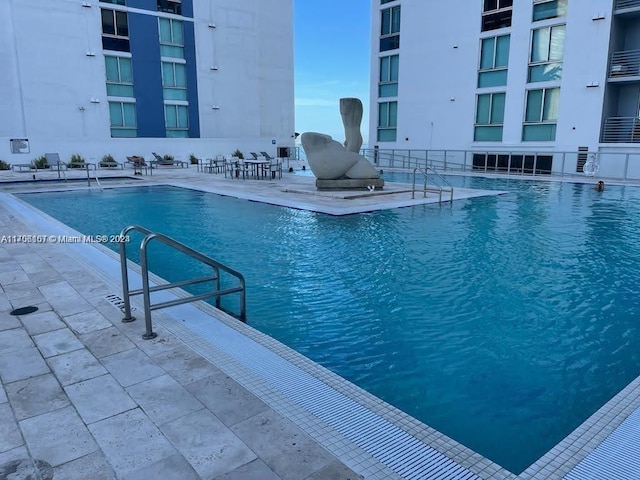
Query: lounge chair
point(52, 162)
point(110, 164)
point(168, 162)
point(138, 164)
point(81, 164)
point(20, 166)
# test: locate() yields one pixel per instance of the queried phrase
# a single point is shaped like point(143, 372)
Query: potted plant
point(77, 161)
point(40, 162)
point(4, 165)
point(108, 161)
point(238, 154)
point(193, 159)
point(168, 158)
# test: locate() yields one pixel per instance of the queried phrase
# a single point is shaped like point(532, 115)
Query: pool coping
point(556, 463)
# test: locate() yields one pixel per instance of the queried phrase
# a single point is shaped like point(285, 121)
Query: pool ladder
point(146, 289)
point(428, 173)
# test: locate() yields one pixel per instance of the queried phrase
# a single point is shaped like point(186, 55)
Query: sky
point(332, 43)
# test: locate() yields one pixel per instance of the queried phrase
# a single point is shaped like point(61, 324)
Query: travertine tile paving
point(82, 393)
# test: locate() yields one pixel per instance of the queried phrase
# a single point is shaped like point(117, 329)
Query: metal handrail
point(620, 4)
point(147, 289)
point(425, 188)
point(621, 130)
point(624, 64)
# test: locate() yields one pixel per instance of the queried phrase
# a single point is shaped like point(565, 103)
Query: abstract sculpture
point(338, 167)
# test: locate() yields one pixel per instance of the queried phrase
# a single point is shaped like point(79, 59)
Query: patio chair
point(275, 165)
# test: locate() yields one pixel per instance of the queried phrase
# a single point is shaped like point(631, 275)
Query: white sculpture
point(341, 167)
point(329, 160)
point(351, 111)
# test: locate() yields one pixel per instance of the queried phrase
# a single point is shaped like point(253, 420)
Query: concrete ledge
point(349, 184)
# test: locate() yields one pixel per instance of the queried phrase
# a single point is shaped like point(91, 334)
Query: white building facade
point(499, 76)
point(129, 77)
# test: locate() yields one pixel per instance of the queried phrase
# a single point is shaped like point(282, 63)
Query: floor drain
point(117, 302)
point(23, 311)
point(26, 469)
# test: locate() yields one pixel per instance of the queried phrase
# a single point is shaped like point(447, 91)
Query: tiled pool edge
point(576, 446)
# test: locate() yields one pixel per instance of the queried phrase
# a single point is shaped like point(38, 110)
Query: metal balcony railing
point(621, 4)
point(625, 64)
point(621, 130)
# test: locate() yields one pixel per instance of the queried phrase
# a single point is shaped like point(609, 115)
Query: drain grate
point(117, 302)
point(24, 310)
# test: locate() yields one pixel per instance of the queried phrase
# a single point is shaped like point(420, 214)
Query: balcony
point(625, 65)
point(621, 130)
point(626, 6)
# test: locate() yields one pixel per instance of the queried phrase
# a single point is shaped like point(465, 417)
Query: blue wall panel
point(192, 79)
point(147, 74)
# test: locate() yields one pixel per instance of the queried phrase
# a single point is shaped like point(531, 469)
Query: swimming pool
point(501, 321)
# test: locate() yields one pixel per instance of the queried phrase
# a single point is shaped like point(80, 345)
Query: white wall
point(48, 76)
point(437, 82)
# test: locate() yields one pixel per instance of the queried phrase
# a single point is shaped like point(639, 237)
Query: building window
point(388, 86)
point(390, 29)
point(547, 51)
point(541, 115)
point(544, 9)
point(123, 119)
point(174, 81)
point(494, 58)
point(116, 2)
point(171, 38)
point(385, 1)
point(115, 30)
point(496, 14)
point(489, 117)
point(119, 76)
point(387, 121)
point(176, 120)
point(170, 6)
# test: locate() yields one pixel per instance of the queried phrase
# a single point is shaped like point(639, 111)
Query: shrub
point(4, 165)
point(238, 154)
point(76, 159)
point(193, 159)
point(40, 162)
point(108, 158)
point(168, 158)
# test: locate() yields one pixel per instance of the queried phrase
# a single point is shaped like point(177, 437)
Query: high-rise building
point(502, 75)
point(127, 76)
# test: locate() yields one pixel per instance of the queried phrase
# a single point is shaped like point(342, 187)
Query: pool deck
point(83, 396)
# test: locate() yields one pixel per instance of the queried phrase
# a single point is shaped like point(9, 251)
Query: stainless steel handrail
point(439, 188)
point(147, 289)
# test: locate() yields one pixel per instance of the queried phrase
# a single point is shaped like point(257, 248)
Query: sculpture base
point(350, 184)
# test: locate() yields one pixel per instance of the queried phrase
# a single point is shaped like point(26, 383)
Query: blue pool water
point(502, 321)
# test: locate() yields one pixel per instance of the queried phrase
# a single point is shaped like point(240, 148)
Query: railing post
point(125, 278)
point(149, 333)
point(535, 163)
point(626, 166)
point(444, 168)
point(217, 284)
